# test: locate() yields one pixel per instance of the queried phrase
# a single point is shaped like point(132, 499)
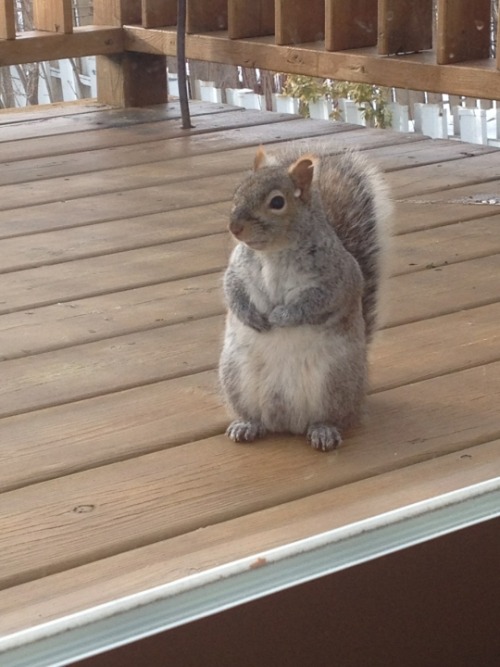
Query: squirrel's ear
point(260, 159)
point(301, 172)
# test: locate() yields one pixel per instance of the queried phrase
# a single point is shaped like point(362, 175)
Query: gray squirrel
point(302, 290)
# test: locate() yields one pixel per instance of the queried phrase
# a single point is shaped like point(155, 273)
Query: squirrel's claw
point(245, 431)
point(324, 437)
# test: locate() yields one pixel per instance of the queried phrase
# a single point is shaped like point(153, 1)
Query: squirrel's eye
point(277, 203)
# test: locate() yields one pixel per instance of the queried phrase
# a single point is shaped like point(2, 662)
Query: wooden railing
point(441, 46)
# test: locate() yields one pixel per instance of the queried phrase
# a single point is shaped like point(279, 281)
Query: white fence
point(438, 121)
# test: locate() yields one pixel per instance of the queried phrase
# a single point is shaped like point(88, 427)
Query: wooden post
point(463, 30)
point(299, 21)
point(350, 25)
point(53, 15)
point(250, 19)
point(404, 26)
point(128, 79)
point(7, 20)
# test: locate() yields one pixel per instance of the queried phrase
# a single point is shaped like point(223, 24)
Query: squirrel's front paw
point(280, 317)
point(245, 431)
point(324, 437)
point(259, 322)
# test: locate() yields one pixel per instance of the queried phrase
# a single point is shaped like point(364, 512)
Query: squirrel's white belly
point(284, 373)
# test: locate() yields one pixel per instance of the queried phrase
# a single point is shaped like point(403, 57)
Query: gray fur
point(302, 289)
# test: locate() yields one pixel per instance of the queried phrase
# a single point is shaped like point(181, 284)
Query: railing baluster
point(203, 16)
point(299, 21)
point(404, 26)
point(53, 15)
point(116, 12)
point(158, 13)
point(463, 30)
point(250, 19)
point(7, 20)
point(350, 25)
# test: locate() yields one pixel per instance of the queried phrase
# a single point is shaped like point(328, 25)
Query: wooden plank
point(205, 17)
point(140, 175)
point(250, 20)
point(462, 30)
point(428, 151)
point(350, 25)
point(34, 169)
point(116, 12)
point(441, 290)
point(109, 366)
point(145, 357)
point(140, 569)
point(83, 41)
point(26, 115)
point(411, 252)
point(104, 511)
point(95, 318)
point(404, 183)
point(249, 125)
point(53, 15)
point(75, 321)
point(156, 13)
point(159, 413)
point(115, 236)
point(404, 26)
point(145, 121)
point(364, 66)
point(7, 20)
point(298, 21)
point(427, 179)
point(61, 282)
point(441, 246)
point(413, 215)
point(471, 341)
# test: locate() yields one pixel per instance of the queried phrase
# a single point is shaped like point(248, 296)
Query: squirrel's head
point(270, 202)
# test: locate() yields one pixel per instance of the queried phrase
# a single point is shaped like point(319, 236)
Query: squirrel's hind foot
point(245, 430)
point(324, 437)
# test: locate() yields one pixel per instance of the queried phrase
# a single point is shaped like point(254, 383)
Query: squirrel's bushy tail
point(357, 204)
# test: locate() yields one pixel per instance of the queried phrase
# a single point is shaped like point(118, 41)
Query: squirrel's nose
point(236, 227)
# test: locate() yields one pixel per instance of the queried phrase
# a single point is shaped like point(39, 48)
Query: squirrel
point(302, 289)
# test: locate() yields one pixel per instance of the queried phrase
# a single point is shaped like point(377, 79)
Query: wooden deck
point(115, 475)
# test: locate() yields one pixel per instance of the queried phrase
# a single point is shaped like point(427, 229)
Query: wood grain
point(116, 12)
point(53, 15)
point(204, 17)
point(112, 455)
point(101, 512)
point(298, 21)
point(250, 20)
point(157, 13)
point(7, 20)
point(351, 25)
point(462, 30)
point(474, 79)
point(165, 561)
point(404, 26)
point(83, 41)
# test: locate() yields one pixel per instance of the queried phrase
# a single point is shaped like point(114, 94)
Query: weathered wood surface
point(112, 453)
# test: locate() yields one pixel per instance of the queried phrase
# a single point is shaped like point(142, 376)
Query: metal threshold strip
point(137, 616)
